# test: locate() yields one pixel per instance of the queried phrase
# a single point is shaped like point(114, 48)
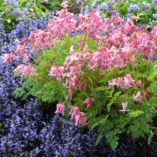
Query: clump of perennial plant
point(103, 77)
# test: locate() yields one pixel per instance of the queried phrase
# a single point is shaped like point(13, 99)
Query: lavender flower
point(133, 8)
point(155, 16)
point(87, 10)
point(105, 6)
point(8, 10)
point(154, 3)
point(17, 11)
point(8, 1)
point(14, 3)
point(147, 6)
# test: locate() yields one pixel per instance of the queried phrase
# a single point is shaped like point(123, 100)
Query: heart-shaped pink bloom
point(60, 109)
point(124, 107)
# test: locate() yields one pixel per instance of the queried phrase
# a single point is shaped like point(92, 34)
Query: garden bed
point(76, 85)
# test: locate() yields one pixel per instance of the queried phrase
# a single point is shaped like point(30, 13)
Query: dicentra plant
point(99, 71)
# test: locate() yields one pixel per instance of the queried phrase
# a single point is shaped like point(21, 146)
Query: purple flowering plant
point(13, 10)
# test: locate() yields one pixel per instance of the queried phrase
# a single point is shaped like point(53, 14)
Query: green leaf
point(150, 137)
point(103, 120)
point(117, 94)
point(93, 126)
point(100, 88)
point(135, 114)
point(109, 105)
point(8, 20)
point(19, 92)
point(153, 76)
point(100, 136)
point(114, 143)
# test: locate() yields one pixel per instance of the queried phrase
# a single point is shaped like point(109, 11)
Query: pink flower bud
point(138, 97)
point(70, 92)
point(144, 93)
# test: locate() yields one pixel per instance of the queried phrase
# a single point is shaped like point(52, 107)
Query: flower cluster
point(25, 70)
point(90, 24)
point(124, 35)
point(78, 117)
point(125, 82)
point(133, 8)
point(8, 58)
point(58, 26)
point(139, 96)
point(57, 72)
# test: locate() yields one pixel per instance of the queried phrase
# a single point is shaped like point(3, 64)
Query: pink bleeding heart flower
point(128, 81)
point(138, 97)
point(125, 82)
point(74, 111)
point(60, 109)
point(57, 72)
point(78, 117)
point(8, 58)
point(89, 102)
point(25, 70)
point(112, 83)
point(136, 18)
point(124, 107)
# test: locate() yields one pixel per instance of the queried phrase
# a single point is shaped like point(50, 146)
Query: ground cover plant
point(98, 73)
